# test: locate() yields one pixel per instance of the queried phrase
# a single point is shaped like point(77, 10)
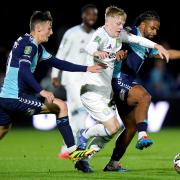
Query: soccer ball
point(176, 162)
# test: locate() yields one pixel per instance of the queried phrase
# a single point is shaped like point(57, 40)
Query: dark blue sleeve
point(65, 65)
point(28, 77)
point(28, 51)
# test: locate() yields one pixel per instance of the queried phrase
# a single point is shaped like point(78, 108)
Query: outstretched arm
point(173, 54)
point(130, 38)
point(67, 66)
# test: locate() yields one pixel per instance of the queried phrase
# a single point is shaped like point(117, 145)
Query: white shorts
point(97, 106)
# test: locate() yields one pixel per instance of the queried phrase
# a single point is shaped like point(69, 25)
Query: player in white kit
point(96, 92)
point(72, 47)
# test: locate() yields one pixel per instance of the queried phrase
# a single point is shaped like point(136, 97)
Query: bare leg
point(4, 130)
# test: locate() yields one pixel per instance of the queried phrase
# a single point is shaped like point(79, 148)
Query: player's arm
point(26, 75)
point(28, 53)
point(28, 78)
point(68, 66)
point(121, 54)
point(131, 38)
point(173, 54)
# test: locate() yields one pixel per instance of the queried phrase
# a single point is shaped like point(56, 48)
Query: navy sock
point(65, 130)
point(142, 126)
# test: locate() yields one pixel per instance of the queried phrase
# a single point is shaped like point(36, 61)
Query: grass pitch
point(32, 154)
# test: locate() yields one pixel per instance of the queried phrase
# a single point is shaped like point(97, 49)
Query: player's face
point(45, 31)
point(115, 24)
point(90, 16)
point(150, 29)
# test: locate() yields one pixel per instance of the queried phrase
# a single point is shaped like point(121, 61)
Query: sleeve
point(45, 54)
point(65, 65)
point(94, 43)
point(28, 77)
point(130, 38)
point(25, 61)
point(63, 50)
point(154, 52)
point(28, 53)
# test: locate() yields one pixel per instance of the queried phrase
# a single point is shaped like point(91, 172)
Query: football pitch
point(32, 154)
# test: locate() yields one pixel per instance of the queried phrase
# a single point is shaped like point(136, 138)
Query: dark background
point(14, 16)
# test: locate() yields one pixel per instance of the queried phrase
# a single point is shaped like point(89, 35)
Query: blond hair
point(113, 11)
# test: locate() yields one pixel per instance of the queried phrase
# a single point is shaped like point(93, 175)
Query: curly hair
point(146, 16)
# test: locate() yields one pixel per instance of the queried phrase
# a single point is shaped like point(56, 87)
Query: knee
point(145, 97)
point(62, 106)
point(3, 131)
point(113, 129)
point(2, 134)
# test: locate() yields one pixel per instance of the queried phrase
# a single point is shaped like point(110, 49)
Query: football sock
point(97, 130)
point(142, 128)
point(65, 130)
point(100, 141)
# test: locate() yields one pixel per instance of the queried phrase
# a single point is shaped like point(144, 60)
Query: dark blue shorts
point(122, 85)
point(26, 104)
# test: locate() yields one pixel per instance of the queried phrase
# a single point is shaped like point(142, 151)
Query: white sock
point(71, 149)
point(141, 134)
point(100, 141)
point(97, 130)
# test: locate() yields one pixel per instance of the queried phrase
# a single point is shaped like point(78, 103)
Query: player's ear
point(83, 16)
point(143, 24)
point(38, 27)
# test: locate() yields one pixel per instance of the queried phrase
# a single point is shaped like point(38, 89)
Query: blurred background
point(160, 79)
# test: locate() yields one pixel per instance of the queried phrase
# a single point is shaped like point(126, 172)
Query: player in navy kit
point(131, 99)
point(19, 87)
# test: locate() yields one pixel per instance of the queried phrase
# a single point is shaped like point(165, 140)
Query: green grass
point(32, 154)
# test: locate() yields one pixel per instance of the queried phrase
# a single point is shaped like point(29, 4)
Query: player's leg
point(77, 112)
point(141, 99)
point(4, 130)
point(59, 107)
point(5, 122)
point(108, 125)
point(124, 138)
point(127, 115)
point(98, 108)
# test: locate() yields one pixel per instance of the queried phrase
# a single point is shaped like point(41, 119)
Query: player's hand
point(56, 82)
point(96, 68)
point(101, 54)
point(48, 95)
point(121, 54)
point(163, 53)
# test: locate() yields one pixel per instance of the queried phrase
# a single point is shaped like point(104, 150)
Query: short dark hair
point(39, 16)
point(88, 6)
point(147, 15)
